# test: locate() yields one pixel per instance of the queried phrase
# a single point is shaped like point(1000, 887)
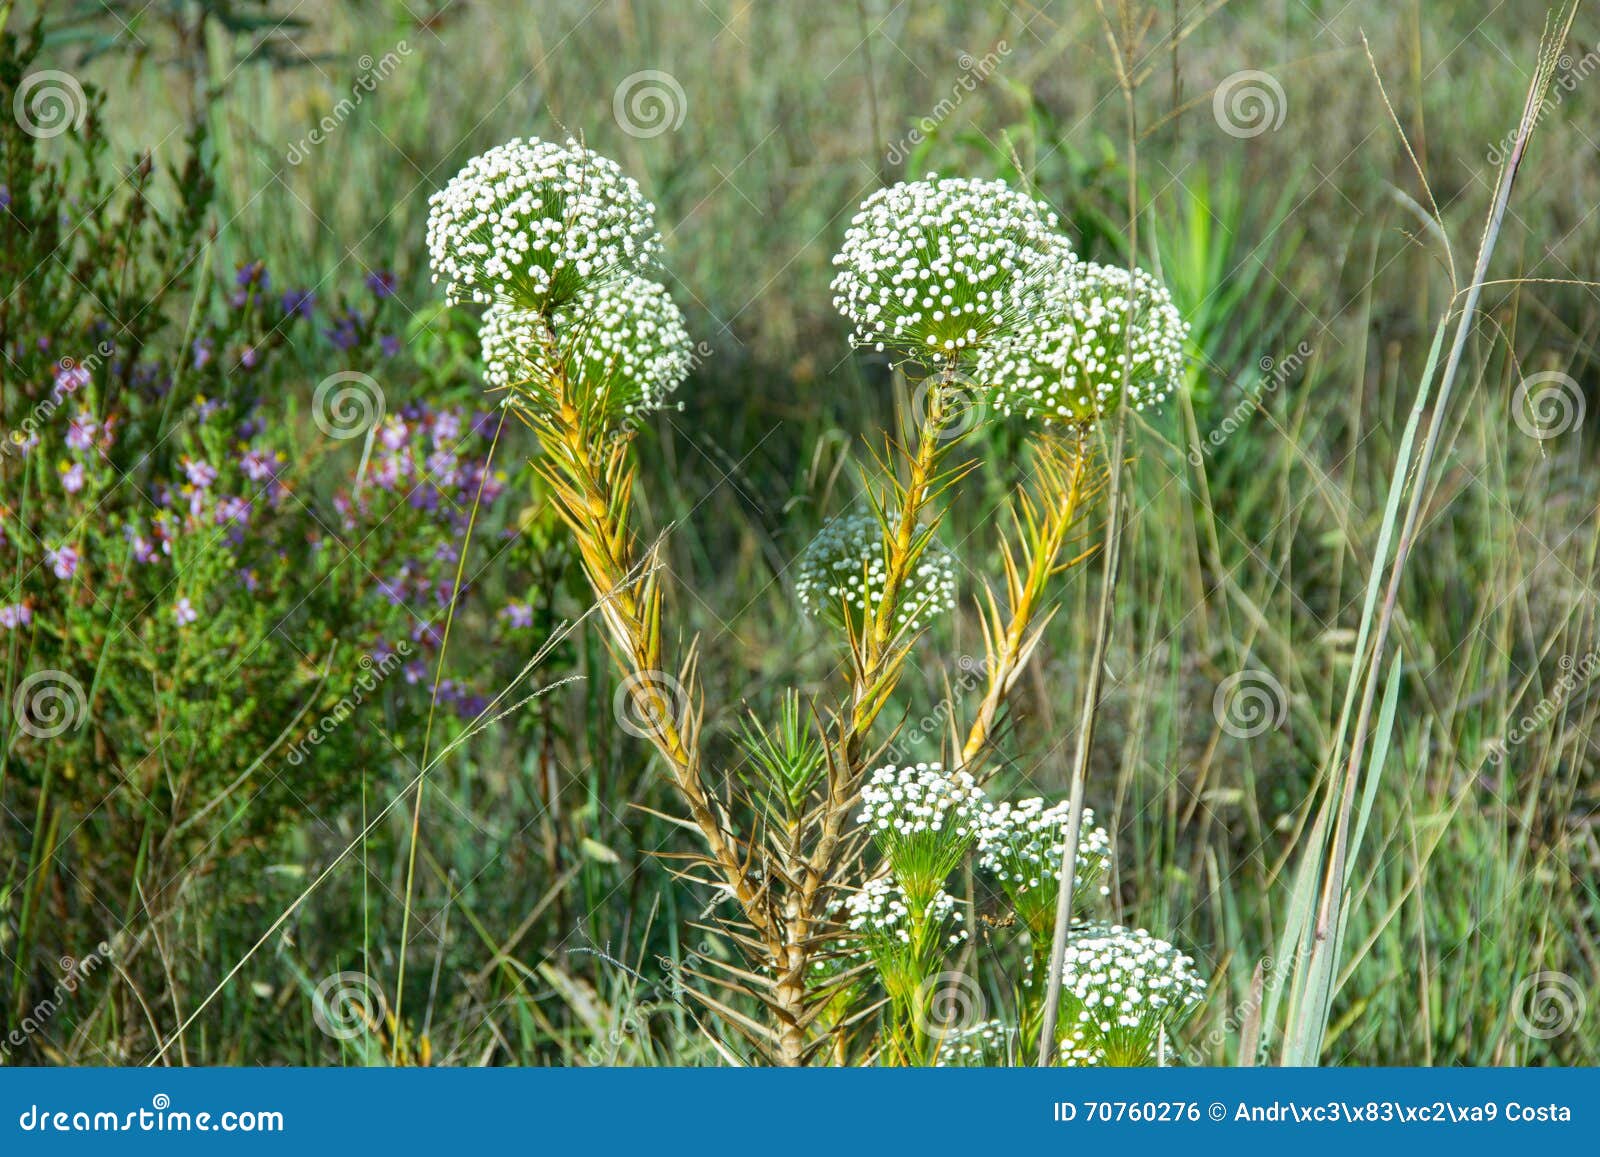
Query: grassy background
point(542, 916)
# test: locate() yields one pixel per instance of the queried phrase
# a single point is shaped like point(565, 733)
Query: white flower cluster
point(994, 1042)
point(1125, 983)
point(534, 223)
point(1066, 362)
point(623, 341)
point(1076, 1050)
point(944, 265)
point(904, 802)
point(987, 1043)
point(880, 912)
point(843, 566)
point(1021, 843)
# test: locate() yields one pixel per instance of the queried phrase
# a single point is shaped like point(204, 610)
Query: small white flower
point(1021, 844)
point(988, 1043)
point(534, 224)
point(622, 343)
point(1066, 363)
point(843, 568)
point(940, 266)
point(881, 912)
point(1124, 988)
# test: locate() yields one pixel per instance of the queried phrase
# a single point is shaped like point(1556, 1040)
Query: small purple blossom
point(232, 509)
point(63, 561)
point(183, 611)
point(81, 431)
point(393, 434)
point(70, 379)
point(299, 303)
point(517, 615)
point(200, 474)
point(446, 428)
point(381, 283)
point(346, 331)
point(258, 465)
point(14, 615)
point(72, 478)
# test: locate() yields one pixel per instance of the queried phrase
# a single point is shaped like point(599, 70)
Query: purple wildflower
point(446, 427)
point(81, 431)
point(70, 379)
point(63, 561)
point(200, 474)
point(299, 303)
point(258, 465)
point(233, 509)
